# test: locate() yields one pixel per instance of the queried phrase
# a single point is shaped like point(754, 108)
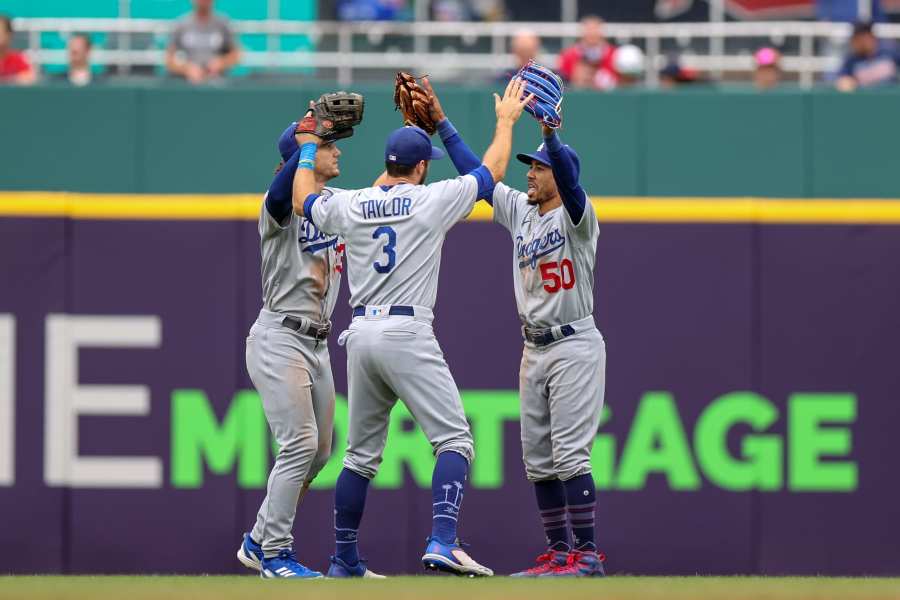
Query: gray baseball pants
point(561, 389)
point(391, 357)
point(293, 377)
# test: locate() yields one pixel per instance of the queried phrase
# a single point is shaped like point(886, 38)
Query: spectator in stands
point(767, 73)
point(203, 46)
point(373, 10)
point(675, 75)
point(590, 60)
point(869, 63)
point(847, 11)
point(79, 71)
point(629, 63)
point(14, 66)
point(524, 45)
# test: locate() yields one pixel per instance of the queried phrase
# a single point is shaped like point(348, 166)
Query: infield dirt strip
point(440, 588)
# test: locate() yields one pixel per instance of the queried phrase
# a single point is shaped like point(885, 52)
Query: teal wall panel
point(176, 138)
point(855, 144)
point(734, 144)
point(54, 139)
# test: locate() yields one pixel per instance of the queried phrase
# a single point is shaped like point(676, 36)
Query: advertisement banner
point(751, 387)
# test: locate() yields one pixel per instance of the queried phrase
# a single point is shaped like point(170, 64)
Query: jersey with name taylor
point(553, 259)
point(394, 236)
point(301, 266)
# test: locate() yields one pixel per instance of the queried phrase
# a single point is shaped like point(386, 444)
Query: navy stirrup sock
point(447, 484)
point(349, 503)
point(582, 500)
point(551, 499)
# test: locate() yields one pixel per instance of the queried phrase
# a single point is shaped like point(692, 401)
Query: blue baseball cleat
point(581, 563)
point(250, 553)
point(286, 565)
point(451, 558)
point(340, 569)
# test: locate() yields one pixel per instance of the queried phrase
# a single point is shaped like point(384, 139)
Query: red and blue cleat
point(580, 563)
point(549, 561)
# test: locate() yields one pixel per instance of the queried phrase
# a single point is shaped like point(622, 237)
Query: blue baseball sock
point(582, 500)
point(447, 483)
point(551, 499)
point(349, 503)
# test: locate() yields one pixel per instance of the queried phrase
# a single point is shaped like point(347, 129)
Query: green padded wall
point(706, 143)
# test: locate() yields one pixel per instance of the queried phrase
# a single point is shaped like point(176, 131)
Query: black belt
point(395, 310)
point(319, 331)
point(542, 337)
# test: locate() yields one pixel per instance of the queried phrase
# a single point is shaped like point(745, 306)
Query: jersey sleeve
point(454, 198)
point(587, 226)
point(269, 227)
point(328, 210)
point(507, 207)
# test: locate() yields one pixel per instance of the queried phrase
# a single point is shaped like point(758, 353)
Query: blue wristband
point(308, 156)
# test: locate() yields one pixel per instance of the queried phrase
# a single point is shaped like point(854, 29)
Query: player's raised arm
point(565, 173)
point(331, 117)
point(508, 109)
point(460, 154)
point(305, 179)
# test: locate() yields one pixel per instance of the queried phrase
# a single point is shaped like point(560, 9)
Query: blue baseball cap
point(543, 157)
point(287, 143)
point(408, 145)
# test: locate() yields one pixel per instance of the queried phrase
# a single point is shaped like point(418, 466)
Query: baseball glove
point(547, 88)
point(413, 102)
point(333, 116)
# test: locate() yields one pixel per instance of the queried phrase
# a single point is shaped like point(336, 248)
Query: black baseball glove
point(333, 116)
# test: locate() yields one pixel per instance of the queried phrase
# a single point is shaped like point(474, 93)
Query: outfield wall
point(813, 144)
point(752, 391)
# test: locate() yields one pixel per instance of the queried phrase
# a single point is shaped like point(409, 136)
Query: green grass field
point(445, 588)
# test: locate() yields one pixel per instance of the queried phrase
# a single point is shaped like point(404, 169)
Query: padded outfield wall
point(752, 376)
point(693, 143)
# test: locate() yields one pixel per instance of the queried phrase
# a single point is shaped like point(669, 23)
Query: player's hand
point(305, 128)
point(436, 110)
point(510, 107)
point(546, 131)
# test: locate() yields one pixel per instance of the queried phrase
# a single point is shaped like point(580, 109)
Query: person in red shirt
point(590, 61)
point(14, 67)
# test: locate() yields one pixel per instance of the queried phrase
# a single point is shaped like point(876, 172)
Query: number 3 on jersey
point(558, 275)
point(388, 249)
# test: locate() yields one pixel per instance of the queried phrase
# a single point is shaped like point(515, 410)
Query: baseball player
point(394, 233)
point(287, 356)
point(562, 374)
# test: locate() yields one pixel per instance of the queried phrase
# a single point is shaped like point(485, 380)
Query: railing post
point(345, 46)
point(807, 73)
point(273, 40)
point(716, 39)
point(651, 74)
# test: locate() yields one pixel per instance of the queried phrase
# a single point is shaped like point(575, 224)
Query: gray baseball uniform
point(393, 239)
point(301, 275)
point(561, 382)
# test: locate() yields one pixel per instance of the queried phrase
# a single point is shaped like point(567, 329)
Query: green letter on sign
point(489, 411)
point(762, 454)
point(196, 434)
point(809, 441)
point(657, 443)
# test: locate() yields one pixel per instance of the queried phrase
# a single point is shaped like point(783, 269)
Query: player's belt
point(548, 335)
point(308, 327)
point(396, 310)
